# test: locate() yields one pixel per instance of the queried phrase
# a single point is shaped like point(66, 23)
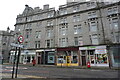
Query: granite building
point(77, 33)
point(6, 38)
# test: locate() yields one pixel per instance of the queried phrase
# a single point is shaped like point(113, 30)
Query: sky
point(9, 9)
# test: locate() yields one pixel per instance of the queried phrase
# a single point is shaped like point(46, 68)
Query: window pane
point(76, 40)
point(93, 27)
point(94, 39)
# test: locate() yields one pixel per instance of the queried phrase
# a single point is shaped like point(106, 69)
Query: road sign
point(20, 39)
point(17, 45)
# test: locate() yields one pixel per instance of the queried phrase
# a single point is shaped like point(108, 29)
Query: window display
point(101, 58)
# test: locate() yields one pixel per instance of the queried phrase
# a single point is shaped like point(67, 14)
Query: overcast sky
point(9, 9)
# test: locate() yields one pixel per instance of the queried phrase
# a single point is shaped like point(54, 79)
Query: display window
point(61, 59)
point(101, 58)
point(74, 59)
point(67, 57)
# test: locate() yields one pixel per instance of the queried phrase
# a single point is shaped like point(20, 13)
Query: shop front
point(26, 56)
point(67, 57)
point(114, 51)
point(96, 55)
point(45, 56)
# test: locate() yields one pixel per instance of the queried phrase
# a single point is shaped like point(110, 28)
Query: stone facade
point(6, 38)
point(75, 24)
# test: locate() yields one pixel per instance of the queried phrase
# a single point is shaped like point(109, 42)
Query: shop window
point(83, 52)
point(91, 52)
point(61, 59)
point(92, 60)
point(74, 59)
point(116, 51)
point(28, 58)
point(101, 59)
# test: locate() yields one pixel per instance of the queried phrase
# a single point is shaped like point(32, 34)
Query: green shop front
point(96, 55)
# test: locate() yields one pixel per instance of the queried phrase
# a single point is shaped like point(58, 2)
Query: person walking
point(33, 62)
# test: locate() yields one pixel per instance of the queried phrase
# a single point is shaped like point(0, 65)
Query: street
point(58, 72)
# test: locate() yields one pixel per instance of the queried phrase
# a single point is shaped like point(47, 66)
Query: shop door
point(83, 61)
point(39, 60)
point(28, 59)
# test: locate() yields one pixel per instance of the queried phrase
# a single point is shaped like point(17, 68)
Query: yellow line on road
point(21, 76)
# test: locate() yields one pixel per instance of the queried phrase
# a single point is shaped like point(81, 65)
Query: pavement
point(77, 67)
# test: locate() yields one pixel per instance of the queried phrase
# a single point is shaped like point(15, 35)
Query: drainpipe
point(101, 21)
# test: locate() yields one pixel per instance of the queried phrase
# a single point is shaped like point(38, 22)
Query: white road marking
point(18, 67)
point(95, 70)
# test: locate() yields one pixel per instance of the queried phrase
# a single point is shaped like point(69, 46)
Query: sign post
point(20, 40)
point(14, 63)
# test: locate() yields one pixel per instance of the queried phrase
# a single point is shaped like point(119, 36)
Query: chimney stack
point(46, 6)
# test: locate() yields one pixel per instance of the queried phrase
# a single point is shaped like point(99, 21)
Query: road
point(58, 72)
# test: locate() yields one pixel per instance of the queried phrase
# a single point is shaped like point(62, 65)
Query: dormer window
point(76, 8)
point(63, 11)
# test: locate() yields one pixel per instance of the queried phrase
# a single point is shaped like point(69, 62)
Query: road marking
point(18, 67)
point(21, 76)
point(6, 70)
point(95, 70)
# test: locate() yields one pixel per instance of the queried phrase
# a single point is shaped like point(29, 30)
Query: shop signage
point(82, 48)
point(26, 51)
point(100, 51)
point(91, 47)
point(87, 48)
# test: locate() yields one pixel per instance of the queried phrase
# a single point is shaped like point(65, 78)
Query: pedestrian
point(33, 62)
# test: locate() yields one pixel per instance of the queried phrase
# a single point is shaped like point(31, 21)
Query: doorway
point(39, 60)
point(83, 61)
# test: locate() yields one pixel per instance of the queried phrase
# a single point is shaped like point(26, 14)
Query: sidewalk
point(77, 67)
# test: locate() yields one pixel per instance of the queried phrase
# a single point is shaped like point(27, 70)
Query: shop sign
point(39, 50)
point(91, 47)
point(82, 48)
point(100, 47)
point(100, 51)
point(87, 48)
point(49, 49)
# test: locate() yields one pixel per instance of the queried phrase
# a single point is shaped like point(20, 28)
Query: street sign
point(20, 39)
point(17, 45)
